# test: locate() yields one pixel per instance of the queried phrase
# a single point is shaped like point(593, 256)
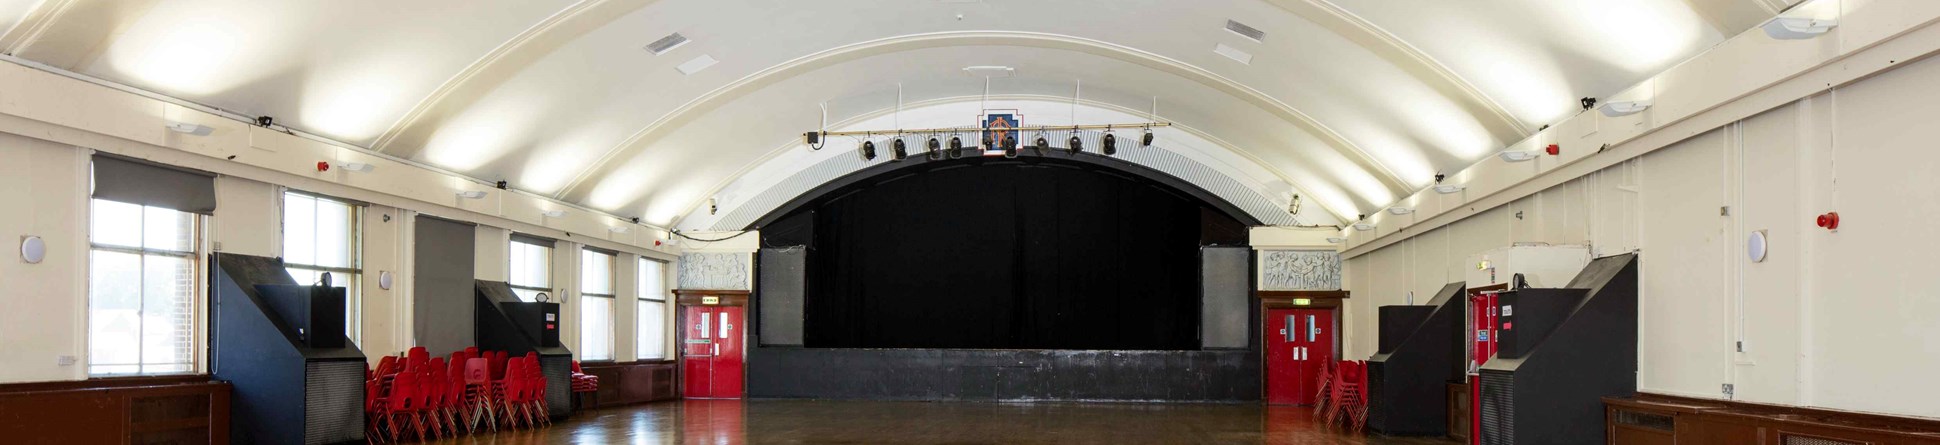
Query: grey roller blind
point(533, 240)
point(139, 182)
point(444, 289)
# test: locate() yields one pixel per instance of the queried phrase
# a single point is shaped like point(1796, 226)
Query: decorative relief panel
point(1299, 270)
point(714, 271)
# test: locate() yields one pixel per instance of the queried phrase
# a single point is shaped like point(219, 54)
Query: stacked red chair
point(535, 387)
point(416, 396)
point(477, 383)
point(507, 391)
point(403, 407)
point(584, 384)
point(1348, 396)
point(454, 395)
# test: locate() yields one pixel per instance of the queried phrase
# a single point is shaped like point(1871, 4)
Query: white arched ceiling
point(1363, 98)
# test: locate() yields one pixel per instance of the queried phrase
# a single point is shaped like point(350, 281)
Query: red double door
point(1299, 345)
point(711, 351)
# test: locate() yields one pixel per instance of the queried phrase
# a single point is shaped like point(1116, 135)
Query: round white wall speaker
point(1755, 246)
point(33, 249)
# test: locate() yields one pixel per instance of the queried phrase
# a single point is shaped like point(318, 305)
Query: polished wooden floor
point(728, 422)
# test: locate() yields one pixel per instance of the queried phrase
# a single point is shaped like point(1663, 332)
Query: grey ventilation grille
point(666, 44)
point(1245, 31)
point(333, 401)
point(1205, 177)
point(1794, 439)
point(1653, 421)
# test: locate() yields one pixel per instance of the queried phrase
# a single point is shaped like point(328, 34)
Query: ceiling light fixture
point(1449, 188)
point(1615, 109)
point(472, 194)
point(989, 71)
point(553, 213)
point(1363, 227)
point(1797, 28)
point(1400, 210)
point(1518, 155)
point(1336, 240)
point(617, 229)
point(1234, 53)
point(359, 167)
point(697, 64)
point(190, 129)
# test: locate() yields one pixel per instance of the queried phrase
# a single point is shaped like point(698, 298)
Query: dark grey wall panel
point(782, 271)
point(1003, 374)
point(443, 311)
point(1226, 283)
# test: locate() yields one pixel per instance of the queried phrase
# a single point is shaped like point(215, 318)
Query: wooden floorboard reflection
point(730, 422)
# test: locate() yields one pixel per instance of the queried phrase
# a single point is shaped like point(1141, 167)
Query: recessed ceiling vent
point(675, 40)
point(1245, 31)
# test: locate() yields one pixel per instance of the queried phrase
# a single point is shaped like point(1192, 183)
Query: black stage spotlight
point(1041, 145)
point(1010, 151)
point(868, 150)
point(1109, 145)
point(956, 147)
point(897, 151)
point(1075, 145)
point(1010, 141)
point(1147, 139)
point(936, 149)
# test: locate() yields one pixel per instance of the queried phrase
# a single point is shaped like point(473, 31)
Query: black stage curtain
point(1006, 256)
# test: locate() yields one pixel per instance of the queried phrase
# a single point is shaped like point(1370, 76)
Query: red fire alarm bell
point(1553, 149)
point(323, 166)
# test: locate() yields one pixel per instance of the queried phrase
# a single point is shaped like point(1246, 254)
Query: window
point(651, 313)
point(321, 235)
point(142, 286)
point(596, 305)
point(531, 271)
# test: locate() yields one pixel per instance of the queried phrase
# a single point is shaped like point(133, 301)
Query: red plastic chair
point(477, 381)
point(416, 358)
point(509, 392)
point(402, 407)
point(535, 387)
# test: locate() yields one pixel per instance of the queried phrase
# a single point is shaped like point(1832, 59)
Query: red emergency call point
point(1829, 221)
point(323, 166)
point(1553, 149)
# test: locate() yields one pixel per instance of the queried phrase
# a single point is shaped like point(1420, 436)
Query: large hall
point(1486, 222)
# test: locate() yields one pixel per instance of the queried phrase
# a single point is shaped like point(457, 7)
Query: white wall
point(43, 307)
point(1842, 320)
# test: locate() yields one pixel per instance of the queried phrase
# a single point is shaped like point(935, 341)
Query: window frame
point(196, 354)
point(613, 303)
point(548, 261)
point(353, 289)
point(642, 296)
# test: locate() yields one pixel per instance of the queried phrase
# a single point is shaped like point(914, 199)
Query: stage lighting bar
point(825, 134)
